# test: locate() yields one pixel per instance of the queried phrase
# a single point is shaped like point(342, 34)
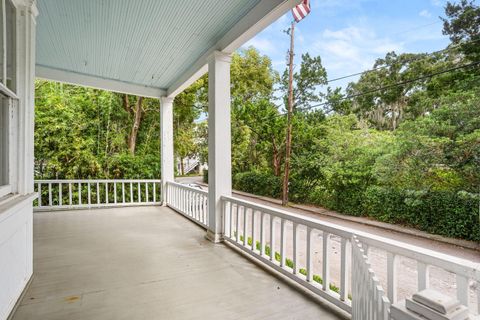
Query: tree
point(254, 130)
point(462, 24)
point(137, 112)
point(300, 92)
point(187, 107)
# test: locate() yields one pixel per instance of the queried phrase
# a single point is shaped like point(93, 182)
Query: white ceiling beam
point(97, 82)
point(260, 17)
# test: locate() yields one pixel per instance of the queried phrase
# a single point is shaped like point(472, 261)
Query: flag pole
point(288, 143)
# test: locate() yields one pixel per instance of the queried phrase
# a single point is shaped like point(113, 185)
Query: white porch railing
point(190, 202)
point(275, 237)
point(370, 300)
point(247, 226)
point(81, 194)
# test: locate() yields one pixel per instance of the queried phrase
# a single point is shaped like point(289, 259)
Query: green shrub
point(447, 213)
point(259, 183)
point(205, 175)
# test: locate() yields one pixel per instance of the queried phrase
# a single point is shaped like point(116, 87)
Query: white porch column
point(25, 88)
point(166, 128)
point(219, 141)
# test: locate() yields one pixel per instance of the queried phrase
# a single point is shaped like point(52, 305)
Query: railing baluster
point(224, 214)
point(272, 238)
point(60, 196)
point(79, 193)
point(423, 275)
point(69, 194)
point(392, 277)
point(182, 195)
point(232, 221)
point(98, 192)
point(131, 192)
point(254, 238)
point(123, 192)
point(205, 209)
point(146, 192)
point(197, 207)
point(230, 216)
point(39, 190)
point(344, 269)
point(326, 261)
point(49, 194)
point(106, 192)
point(283, 243)
point(139, 192)
point(295, 251)
point(262, 233)
point(114, 192)
point(309, 265)
point(237, 231)
point(89, 194)
point(154, 192)
point(245, 235)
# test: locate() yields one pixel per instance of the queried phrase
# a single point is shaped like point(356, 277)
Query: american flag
point(301, 11)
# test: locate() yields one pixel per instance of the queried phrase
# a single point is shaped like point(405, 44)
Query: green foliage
point(205, 175)
point(261, 183)
point(83, 133)
point(452, 214)
point(463, 26)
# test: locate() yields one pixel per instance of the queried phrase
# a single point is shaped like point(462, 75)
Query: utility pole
point(288, 143)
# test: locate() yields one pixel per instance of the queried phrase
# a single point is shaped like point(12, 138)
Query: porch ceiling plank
point(260, 17)
point(143, 47)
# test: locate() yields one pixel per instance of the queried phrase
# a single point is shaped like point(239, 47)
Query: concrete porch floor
point(148, 263)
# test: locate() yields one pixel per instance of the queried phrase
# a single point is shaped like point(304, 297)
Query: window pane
point(4, 136)
point(10, 41)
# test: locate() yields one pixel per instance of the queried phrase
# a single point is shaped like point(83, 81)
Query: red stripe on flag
point(301, 11)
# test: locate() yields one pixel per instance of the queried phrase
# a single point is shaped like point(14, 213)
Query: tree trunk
point(126, 104)
point(276, 161)
point(182, 167)
point(288, 144)
point(132, 141)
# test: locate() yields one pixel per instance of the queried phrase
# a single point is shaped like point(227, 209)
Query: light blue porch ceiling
point(141, 42)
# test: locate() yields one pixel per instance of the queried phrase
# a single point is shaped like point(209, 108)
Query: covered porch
point(140, 259)
point(148, 263)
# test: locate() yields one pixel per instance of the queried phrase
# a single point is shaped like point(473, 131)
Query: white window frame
point(8, 111)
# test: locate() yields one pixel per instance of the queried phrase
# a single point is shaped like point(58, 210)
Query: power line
point(387, 87)
point(406, 61)
point(401, 83)
point(417, 28)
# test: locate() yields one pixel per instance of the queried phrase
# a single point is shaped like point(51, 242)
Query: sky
point(350, 34)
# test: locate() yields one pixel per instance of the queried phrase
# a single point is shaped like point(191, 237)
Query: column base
point(214, 237)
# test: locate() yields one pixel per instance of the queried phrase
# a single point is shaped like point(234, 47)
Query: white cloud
point(425, 13)
point(265, 45)
point(351, 49)
point(437, 3)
